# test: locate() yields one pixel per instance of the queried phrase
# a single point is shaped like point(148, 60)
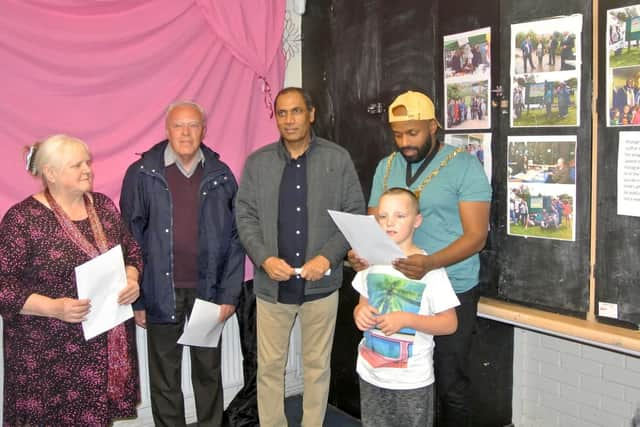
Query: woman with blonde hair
point(53, 376)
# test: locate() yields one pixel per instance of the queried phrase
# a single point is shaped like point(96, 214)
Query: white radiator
point(232, 378)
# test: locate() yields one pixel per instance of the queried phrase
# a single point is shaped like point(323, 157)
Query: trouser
point(165, 371)
point(382, 407)
point(451, 364)
point(274, 324)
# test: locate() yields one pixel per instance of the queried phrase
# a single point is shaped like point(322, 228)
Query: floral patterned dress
point(53, 376)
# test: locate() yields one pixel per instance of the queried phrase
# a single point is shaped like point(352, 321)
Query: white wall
point(292, 46)
point(557, 382)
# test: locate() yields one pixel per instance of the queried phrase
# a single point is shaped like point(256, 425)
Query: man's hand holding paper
point(204, 327)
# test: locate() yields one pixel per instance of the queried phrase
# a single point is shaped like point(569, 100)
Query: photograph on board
point(468, 54)
point(546, 46)
point(547, 99)
point(623, 35)
point(476, 144)
point(541, 175)
point(467, 105)
point(542, 159)
point(624, 96)
point(541, 211)
point(467, 79)
point(623, 66)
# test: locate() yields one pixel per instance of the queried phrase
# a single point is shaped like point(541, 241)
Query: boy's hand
point(357, 263)
point(414, 266)
point(391, 323)
point(365, 316)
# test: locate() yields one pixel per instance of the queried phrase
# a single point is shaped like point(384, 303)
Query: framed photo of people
point(541, 180)
point(467, 79)
point(623, 66)
point(546, 59)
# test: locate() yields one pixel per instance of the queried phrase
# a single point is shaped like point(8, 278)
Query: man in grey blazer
point(281, 212)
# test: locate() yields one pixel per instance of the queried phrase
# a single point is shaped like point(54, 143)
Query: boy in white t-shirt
point(399, 317)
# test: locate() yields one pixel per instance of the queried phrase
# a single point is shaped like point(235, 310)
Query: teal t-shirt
point(461, 180)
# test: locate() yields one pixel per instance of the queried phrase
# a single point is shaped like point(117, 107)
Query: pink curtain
point(105, 72)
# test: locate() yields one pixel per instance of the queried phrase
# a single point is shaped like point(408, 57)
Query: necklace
point(427, 179)
point(411, 179)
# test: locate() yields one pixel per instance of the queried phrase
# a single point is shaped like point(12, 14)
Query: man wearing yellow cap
point(454, 196)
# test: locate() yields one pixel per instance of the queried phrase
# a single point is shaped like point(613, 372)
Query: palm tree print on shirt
point(388, 293)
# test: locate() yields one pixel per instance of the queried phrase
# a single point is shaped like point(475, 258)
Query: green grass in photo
point(562, 232)
point(538, 116)
point(626, 58)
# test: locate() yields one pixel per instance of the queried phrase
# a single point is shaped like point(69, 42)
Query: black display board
point(357, 56)
point(549, 274)
point(367, 53)
point(617, 269)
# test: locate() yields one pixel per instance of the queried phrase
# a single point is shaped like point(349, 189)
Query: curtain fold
point(259, 44)
point(106, 71)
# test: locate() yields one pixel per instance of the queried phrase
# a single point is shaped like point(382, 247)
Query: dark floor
point(334, 418)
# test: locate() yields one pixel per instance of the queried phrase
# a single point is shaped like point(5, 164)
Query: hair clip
point(32, 149)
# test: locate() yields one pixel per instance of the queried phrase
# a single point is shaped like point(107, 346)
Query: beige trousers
point(274, 324)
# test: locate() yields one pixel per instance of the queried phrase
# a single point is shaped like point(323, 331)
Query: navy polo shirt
point(292, 226)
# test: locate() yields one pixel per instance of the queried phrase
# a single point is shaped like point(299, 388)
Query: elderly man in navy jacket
point(178, 201)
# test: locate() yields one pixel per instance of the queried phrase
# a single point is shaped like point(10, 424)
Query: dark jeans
point(165, 371)
point(451, 364)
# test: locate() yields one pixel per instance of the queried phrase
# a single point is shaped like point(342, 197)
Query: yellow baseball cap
point(418, 106)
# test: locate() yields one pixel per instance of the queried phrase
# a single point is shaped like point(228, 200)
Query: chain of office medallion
point(427, 179)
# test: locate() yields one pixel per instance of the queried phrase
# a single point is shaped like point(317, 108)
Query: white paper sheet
point(100, 280)
point(366, 238)
point(629, 174)
point(298, 270)
point(203, 328)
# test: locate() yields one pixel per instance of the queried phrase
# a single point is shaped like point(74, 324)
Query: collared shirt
point(170, 157)
point(292, 226)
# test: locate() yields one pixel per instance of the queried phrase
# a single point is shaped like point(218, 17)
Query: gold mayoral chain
point(427, 179)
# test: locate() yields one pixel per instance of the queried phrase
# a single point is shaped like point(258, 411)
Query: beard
point(416, 154)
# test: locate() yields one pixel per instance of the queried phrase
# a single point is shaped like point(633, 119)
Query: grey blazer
point(332, 183)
